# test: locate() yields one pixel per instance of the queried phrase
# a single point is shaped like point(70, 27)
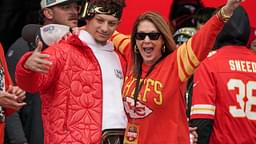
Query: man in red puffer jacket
point(80, 81)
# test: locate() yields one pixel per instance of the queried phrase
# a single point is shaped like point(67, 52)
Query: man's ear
point(48, 13)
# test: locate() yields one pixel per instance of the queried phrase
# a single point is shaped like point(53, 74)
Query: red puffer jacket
point(71, 93)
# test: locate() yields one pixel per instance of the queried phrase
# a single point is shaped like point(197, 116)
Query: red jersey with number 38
point(225, 91)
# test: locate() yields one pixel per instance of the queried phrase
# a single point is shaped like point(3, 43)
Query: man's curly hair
point(115, 5)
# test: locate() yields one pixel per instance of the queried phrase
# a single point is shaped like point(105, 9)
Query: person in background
point(13, 16)
point(79, 105)
point(11, 97)
point(182, 12)
point(202, 15)
point(223, 102)
point(26, 125)
point(156, 69)
point(183, 34)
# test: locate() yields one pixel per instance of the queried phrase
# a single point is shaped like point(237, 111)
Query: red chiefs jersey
point(225, 91)
point(160, 110)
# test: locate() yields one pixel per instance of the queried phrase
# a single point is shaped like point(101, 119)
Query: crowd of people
point(97, 85)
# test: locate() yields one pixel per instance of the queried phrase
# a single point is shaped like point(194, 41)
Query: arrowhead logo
point(141, 110)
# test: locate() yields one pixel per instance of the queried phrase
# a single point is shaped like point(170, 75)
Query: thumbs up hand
point(37, 61)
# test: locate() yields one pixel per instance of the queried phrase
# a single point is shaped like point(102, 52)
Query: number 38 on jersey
point(246, 98)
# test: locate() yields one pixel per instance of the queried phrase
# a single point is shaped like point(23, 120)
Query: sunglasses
point(151, 35)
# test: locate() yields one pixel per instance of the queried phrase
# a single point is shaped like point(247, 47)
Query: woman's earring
point(163, 49)
point(136, 49)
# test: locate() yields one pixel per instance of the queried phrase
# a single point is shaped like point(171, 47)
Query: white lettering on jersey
point(242, 66)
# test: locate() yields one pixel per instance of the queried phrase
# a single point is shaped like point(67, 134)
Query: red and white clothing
point(81, 93)
point(5, 81)
point(160, 112)
point(112, 81)
point(225, 91)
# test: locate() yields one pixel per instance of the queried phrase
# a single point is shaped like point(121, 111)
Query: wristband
point(222, 16)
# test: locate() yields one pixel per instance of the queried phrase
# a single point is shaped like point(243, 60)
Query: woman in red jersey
point(152, 91)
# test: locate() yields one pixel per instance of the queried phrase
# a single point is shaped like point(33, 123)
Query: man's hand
point(193, 135)
point(37, 61)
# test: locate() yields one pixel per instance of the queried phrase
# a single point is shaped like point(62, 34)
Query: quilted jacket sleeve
point(34, 81)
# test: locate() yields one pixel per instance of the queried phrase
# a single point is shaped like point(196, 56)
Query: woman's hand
point(8, 100)
point(230, 6)
point(20, 93)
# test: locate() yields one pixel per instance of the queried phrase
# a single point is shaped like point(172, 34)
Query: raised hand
point(75, 31)
point(230, 6)
point(37, 61)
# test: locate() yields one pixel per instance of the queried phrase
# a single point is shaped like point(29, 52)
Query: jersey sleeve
point(204, 95)
point(191, 53)
point(32, 81)
point(122, 43)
